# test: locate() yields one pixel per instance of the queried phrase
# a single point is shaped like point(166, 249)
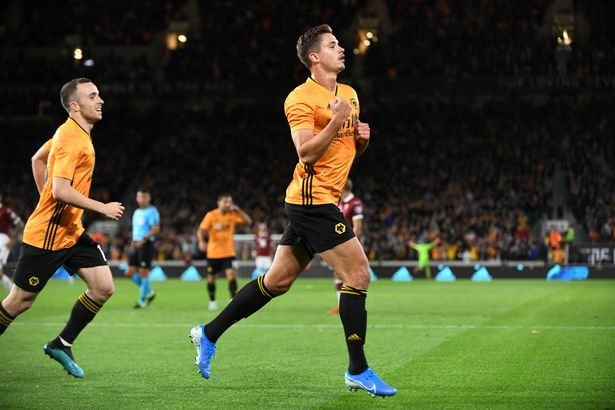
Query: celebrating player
point(54, 234)
point(324, 123)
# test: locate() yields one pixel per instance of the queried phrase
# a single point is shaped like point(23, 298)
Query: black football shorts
point(317, 227)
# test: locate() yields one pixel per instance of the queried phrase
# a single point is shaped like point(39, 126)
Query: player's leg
point(133, 262)
point(99, 289)
point(6, 281)
point(211, 290)
point(349, 261)
point(17, 301)
point(147, 295)
point(88, 260)
point(231, 277)
point(427, 271)
point(338, 282)
point(213, 267)
point(288, 263)
point(4, 256)
point(34, 268)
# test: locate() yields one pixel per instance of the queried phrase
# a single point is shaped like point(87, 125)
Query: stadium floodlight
point(78, 53)
point(365, 37)
point(565, 39)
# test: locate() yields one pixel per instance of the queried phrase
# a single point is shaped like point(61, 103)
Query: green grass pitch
point(515, 344)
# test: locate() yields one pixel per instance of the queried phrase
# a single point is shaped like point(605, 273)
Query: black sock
point(248, 300)
point(57, 344)
point(232, 287)
point(354, 320)
point(211, 289)
point(5, 319)
point(83, 312)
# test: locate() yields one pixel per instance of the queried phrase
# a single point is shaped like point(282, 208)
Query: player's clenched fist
point(362, 132)
point(340, 109)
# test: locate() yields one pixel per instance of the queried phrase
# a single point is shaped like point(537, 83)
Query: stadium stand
point(475, 170)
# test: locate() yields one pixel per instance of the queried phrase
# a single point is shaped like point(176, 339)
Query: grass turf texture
point(501, 344)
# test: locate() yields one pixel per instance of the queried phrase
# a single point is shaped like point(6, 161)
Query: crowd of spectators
point(596, 54)
point(476, 38)
point(255, 41)
point(42, 23)
point(462, 39)
point(591, 177)
point(475, 176)
point(473, 173)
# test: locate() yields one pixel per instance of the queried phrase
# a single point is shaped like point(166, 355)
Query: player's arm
point(63, 191)
point(153, 232)
point(362, 137)
point(17, 224)
point(202, 236)
point(357, 226)
point(311, 147)
point(39, 167)
point(246, 220)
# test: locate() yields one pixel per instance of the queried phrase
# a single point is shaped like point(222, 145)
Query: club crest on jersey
point(340, 228)
point(33, 281)
point(354, 103)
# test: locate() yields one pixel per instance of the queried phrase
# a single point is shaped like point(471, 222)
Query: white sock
point(65, 343)
point(6, 282)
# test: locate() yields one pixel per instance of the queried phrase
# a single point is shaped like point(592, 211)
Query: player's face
point(89, 102)
point(143, 199)
point(225, 203)
point(331, 54)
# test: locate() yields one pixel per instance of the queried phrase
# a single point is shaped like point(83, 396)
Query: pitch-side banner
point(593, 254)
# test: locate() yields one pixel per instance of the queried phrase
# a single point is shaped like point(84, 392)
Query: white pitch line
point(329, 326)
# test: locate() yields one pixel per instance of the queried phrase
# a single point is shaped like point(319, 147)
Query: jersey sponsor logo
point(340, 228)
point(348, 129)
point(222, 226)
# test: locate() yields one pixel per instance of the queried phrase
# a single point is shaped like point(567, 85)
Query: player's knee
point(278, 286)
point(16, 305)
point(103, 293)
point(358, 276)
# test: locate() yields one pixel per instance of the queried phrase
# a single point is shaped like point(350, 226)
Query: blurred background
point(492, 121)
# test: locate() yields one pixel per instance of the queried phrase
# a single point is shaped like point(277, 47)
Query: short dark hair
point(224, 195)
point(143, 189)
point(67, 92)
point(308, 42)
